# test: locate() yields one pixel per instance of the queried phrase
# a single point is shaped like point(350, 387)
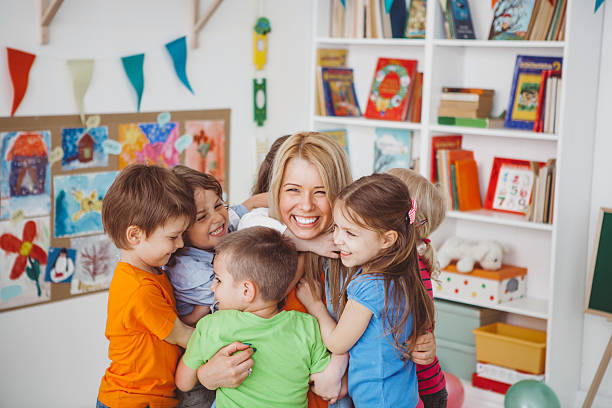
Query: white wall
point(54, 355)
point(597, 330)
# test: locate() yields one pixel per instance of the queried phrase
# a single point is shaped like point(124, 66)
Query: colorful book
point(511, 19)
point(340, 136)
point(463, 29)
point(327, 57)
point(442, 142)
point(524, 92)
point(339, 91)
point(392, 148)
point(468, 187)
point(453, 183)
point(391, 89)
point(417, 17)
point(452, 157)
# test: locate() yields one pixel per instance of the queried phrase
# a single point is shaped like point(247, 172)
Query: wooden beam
point(199, 22)
point(45, 15)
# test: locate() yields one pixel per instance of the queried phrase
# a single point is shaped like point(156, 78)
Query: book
point(463, 28)
point(446, 19)
point(478, 91)
point(336, 20)
point(485, 123)
point(543, 18)
point(340, 136)
point(417, 16)
point(392, 148)
point(524, 92)
point(327, 57)
point(414, 112)
point(339, 92)
point(391, 89)
point(464, 113)
point(453, 183)
point(386, 20)
point(539, 120)
point(452, 156)
point(397, 15)
point(511, 19)
point(441, 142)
point(468, 187)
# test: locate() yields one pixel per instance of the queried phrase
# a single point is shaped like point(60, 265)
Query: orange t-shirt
point(141, 314)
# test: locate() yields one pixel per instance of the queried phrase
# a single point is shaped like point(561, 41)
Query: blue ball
point(531, 394)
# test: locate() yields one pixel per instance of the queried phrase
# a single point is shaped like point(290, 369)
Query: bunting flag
point(133, 69)
point(19, 64)
point(178, 52)
point(598, 4)
point(81, 71)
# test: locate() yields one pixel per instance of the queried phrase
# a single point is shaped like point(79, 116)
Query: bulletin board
point(598, 299)
point(54, 172)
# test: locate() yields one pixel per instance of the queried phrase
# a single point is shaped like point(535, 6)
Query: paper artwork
point(148, 143)
point(23, 255)
point(60, 265)
point(97, 258)
point(206, 153)
point(83, 148)
point(78, 202)
point(26, 171)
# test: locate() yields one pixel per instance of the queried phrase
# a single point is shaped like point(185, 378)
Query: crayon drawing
point(83, 148)
point(60, 265)
point(23, 255)
point(26, 171)
point(148, 143)
point(97, 258)
point(78, 202)
point(207, 151)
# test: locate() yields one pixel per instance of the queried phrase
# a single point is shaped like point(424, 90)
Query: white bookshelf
point(552, 253)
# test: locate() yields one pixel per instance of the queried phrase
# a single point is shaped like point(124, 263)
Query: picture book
point(442, 142)
point(452, 156)
point(339, 91)
point(392, 148)
point(417, 16)
point(327, 57)
point(463, 29)
point(524, 92)
point(391, 89)
point(511, 19)
point(468, 187)
point(397, 14)
point(340, 136)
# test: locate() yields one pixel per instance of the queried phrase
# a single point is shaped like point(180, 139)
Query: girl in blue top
point(382, 302)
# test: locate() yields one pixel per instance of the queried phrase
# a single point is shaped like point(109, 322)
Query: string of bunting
point(81, 70)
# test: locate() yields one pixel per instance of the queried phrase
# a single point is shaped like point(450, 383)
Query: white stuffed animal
point(487, 253)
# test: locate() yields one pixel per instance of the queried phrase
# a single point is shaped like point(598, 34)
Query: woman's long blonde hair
point(431, 210)
point(330, 160)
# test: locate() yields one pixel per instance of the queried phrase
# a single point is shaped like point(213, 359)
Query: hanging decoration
point(178, 52)
point(133, 69)
point(598, 4)
point(19, 64)
point(260, 97)
point(260, 101)
point(260, 42)
point(81, 71)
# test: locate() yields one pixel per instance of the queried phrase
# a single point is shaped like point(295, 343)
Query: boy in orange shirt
point(145, 212)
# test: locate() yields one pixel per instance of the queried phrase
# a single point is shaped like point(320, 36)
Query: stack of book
point(547, 113)
point(536, 20)
point(467, 107)
point(543, 192)
point(335, 88)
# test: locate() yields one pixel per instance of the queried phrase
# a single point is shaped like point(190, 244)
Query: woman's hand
point(228, 367)
point(322, 245)
point(424, 351)
point(308, 295)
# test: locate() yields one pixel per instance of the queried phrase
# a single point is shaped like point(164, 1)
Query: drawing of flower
point(24, 248)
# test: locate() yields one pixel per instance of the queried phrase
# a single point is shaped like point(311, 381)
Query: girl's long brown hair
point(381, 203)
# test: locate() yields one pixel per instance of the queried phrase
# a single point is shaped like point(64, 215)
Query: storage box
point(455, 321)
point(455, 358)
point(488, 384)
point(494, 287)
point(505, 375)
point(511, 346)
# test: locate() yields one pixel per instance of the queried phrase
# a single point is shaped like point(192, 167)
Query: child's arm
point(185, 377)
point(180, 334)
point(328, 383)
point(198, 312)
point(256, 201)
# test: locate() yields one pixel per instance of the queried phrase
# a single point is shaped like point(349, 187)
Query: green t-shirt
point(289, 349)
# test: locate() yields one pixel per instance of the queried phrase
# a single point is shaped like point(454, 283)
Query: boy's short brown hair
point(197, 179)
point(262, 255)
point(145, 196)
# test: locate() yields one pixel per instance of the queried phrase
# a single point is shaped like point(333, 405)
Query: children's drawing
point(148, 143)
point(96, 261)
point(207, 151)
point(78, 202)
point(23, 255)
point(83, 148)
point(60, 265)
point(26, 172)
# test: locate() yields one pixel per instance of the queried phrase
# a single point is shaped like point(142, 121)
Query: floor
point(479, 398)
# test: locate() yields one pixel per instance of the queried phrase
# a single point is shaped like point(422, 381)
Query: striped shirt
point(431, 378)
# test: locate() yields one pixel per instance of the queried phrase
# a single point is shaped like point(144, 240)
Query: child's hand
point(227, 368)
point(424, 349)
point(325, 388)
point(322, 245)
point(308, 295)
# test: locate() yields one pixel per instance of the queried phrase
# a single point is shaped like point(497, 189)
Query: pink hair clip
point(412, 212)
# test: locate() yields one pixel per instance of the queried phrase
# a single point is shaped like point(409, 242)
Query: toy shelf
point(532, 307)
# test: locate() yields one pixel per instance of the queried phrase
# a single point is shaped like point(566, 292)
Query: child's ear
point(388, 239)
point(249, 290)
point(134, 234)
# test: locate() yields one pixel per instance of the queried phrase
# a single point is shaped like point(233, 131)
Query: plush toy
point(487, 253)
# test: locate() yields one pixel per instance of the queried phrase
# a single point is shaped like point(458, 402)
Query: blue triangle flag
point(178, 52)
point(598, 3)
point(133, 69)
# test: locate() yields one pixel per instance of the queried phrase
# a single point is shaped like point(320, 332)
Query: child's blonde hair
point(431, 210)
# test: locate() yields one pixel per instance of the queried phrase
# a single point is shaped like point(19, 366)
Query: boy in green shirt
point(254, 268)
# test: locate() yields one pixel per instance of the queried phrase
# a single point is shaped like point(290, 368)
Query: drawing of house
point(85, 145)
point(28, 171)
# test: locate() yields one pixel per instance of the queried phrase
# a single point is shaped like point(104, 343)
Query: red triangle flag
point(19, 64)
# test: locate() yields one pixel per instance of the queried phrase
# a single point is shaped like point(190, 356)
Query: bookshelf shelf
point(352, 121)
point(532, 307)
point(504, 132)
point(370, 41)
point(498, 44)
point(499, 218)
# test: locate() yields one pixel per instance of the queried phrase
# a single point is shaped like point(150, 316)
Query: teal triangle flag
point(178, 52)
point(133, 69)
point(598, 3)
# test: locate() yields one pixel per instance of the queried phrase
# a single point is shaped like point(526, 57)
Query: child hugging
point(383, 294)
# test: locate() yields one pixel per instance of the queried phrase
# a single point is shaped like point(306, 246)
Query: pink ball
point(455, 391)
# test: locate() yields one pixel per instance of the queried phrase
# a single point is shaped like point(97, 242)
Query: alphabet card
point(148, 143)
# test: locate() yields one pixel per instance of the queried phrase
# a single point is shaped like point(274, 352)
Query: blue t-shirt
point(377, 376)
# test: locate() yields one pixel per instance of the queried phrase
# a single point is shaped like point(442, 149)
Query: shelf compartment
point(370, 41)
point(360, 121)
point(532, 307)
point(495, 132)
point(500, 218)
point(498, 44)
